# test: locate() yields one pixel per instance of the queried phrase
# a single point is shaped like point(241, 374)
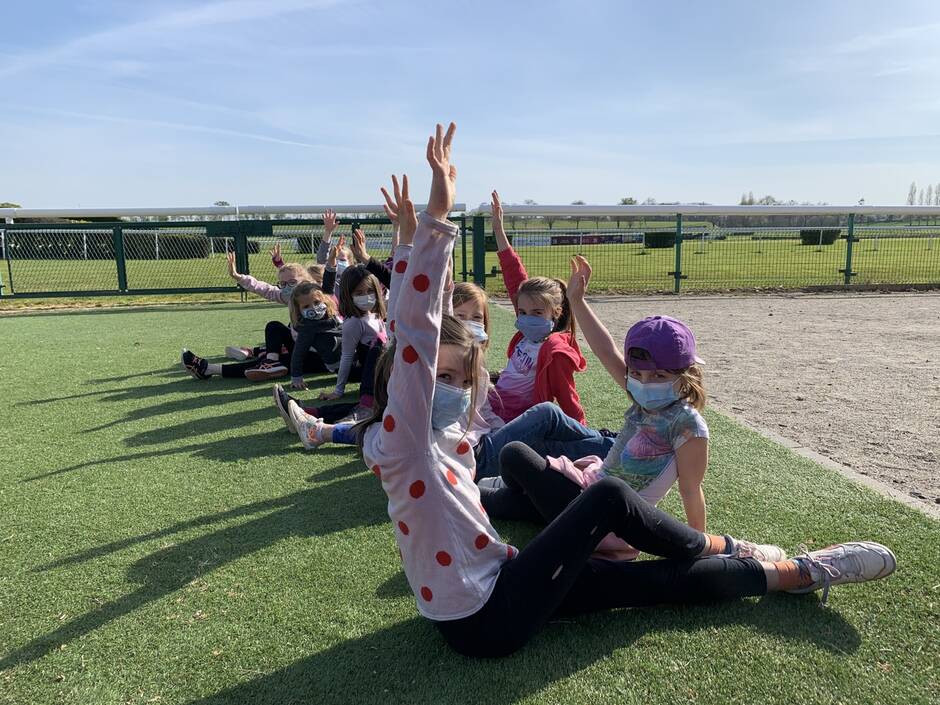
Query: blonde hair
point(554, 293)
point(465, 292)
point(316, 272)
point(453, 332)
point(298, 270)
point(304, 289)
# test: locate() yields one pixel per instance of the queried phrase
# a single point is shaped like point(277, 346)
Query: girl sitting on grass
point(544, 354)
point(486, 597)
point(269, 364)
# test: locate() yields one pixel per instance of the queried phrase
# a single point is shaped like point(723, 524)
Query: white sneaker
point(281, 400)
point(765, 552)
point(240, 354)
point(853, 562)
point(309, 428)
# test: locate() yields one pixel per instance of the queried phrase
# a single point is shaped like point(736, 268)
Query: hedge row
point(817, 236)
point(100, 246)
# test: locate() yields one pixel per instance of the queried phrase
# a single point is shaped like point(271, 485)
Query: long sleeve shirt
point(367, 329)
point(451, 553)
point(324, 337)
point(262, 289)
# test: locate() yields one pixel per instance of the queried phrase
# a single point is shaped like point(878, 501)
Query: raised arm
point(329, 225)
point(250, 284)
point(598, 337)
point(406, 426)
point(400, 211)
point(496, 208)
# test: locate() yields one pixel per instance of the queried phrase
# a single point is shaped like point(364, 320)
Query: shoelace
point(827, 572)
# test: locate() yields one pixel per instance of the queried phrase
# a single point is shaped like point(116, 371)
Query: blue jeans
point(547, 430)
point(342, 433)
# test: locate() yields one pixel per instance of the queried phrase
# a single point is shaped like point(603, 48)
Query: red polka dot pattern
point(426, 593)
point(416, 489)
point(409, 355)
point(392, 326)
point(451, 477)
point(463, 448)
point(401, 265)
point(443, 557)
point(421, 282)
point(403, 527)
point(509, 552)
point(377, 471)
point(481, 542)
point(389, 423)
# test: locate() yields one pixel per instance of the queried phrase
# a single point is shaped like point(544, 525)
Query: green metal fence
point(628, 252)
point(679, 256)
point(122, 258)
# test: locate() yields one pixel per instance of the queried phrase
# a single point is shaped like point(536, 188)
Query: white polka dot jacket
point(451, 553)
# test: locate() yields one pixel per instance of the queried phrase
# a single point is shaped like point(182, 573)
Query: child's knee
point(517, 458)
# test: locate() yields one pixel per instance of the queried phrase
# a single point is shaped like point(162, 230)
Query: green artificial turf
point(164, 540)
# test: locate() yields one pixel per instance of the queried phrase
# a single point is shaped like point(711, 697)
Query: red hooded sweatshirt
point(559, 357)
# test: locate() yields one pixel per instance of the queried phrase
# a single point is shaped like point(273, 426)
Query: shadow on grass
point(409, 662)
point(266, 444)
point(357, 501)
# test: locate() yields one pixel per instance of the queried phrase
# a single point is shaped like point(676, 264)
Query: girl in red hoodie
point(544, 354)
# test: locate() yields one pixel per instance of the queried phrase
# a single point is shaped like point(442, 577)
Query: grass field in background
point(166, 541)
point(708, 265)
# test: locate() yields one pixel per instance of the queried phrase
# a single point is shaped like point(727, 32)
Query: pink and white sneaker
point(309, 428)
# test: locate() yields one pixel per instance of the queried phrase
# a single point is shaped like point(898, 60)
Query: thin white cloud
point(870, 42)
point(159, 26)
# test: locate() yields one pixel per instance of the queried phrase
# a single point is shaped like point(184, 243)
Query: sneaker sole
point(298, 426)
point(887, 555)
point(235, 354)
point(282, 412)
point(264, 375)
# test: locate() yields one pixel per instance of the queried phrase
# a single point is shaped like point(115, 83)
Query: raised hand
point(329, 223)
point(232, 270)
point(401, 210)
point(443, 173)
point(391, 207)
point(496, 207)
point(275, 252)
point(359, 246)
point(580, 276)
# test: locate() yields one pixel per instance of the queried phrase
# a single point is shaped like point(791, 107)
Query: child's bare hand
point(276, 252)
point(359, 246)
point(299, 385)
point(580, 276)
point(496, 207)
point(402, 210)
point(232, 271)
point(329, 396)
point(329, 222)
point(443, 173)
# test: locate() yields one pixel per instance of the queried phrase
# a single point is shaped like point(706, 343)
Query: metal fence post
point(117, 237)
point(479, 252)
point(850, 238)
point(463, 246)
point(241, 248)
point(678, 273)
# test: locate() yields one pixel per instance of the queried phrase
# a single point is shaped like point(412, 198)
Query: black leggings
point(277, 337)
point(555, 574)
point(366, 358)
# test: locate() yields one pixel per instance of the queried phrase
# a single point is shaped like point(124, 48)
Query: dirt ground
point(855, 377)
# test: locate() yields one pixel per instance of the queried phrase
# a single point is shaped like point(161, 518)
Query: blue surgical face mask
point(314, 313)
point(534, 328)
point(341, 266)
point(652, 395)
point(477, 331)
point(287, 290)
point(448, 405)
point(364, 302)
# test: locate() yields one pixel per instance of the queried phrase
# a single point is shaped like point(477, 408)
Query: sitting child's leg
point(548, 431)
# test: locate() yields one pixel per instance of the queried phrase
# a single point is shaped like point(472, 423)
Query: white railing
point(11, 213)
point(679, 209)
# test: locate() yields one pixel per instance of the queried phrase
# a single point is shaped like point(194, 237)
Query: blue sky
point(317, 101)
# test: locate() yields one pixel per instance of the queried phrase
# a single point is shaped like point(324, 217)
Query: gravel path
point(855, 377)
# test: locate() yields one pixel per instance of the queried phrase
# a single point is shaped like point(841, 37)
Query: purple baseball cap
point(669, 342)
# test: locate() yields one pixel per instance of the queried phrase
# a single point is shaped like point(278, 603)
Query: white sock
point(213, 368)
point(272, 357)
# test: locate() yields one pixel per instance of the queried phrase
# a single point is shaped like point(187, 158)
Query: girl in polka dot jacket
point(486, 597)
